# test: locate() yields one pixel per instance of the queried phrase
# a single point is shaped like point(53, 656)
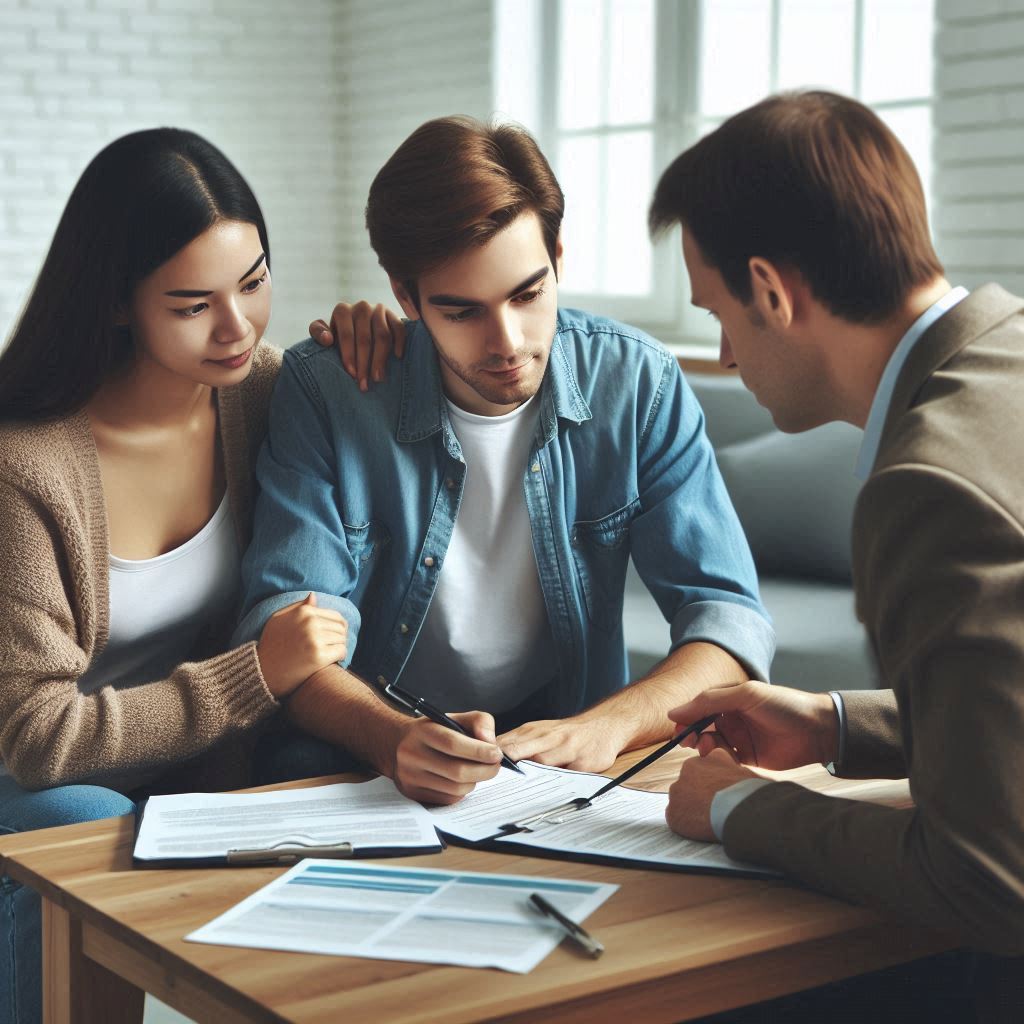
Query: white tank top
point(159, 606)
point(485, 642)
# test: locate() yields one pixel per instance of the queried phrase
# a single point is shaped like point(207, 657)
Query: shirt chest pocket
point(600, 549)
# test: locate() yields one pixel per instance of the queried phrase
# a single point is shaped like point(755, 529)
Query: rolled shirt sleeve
point(297, 514)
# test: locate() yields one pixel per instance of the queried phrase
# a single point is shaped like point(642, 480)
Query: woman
point(133, 400)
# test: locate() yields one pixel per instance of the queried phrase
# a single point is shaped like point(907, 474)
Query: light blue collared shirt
point(883, 394)
point(727, 800)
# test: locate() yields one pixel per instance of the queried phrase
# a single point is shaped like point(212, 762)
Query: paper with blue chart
point(404, 913)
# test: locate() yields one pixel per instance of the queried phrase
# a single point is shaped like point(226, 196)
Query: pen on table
point(697, 727)
point(419, 706)
point(576, 932)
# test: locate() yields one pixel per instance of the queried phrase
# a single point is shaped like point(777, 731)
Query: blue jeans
point(286, 754)
point(21, 989)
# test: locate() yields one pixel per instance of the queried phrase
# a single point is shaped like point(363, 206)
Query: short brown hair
point(456, 182)
point(810, 180)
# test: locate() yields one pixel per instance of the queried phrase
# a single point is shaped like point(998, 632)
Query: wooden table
point(678, 945)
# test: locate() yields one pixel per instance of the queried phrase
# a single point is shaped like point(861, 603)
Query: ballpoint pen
point(576, 932)
point(697, 727)
point(581, 802)
point(419, 706)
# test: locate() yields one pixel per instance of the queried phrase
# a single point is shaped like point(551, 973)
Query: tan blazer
point(938, 565)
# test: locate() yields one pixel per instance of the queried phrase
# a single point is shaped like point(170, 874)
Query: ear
point(558, 257)
point(404, 299)
point(772, 296)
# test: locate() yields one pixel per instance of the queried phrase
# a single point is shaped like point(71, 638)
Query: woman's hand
point(298, 641)
point(365, 335)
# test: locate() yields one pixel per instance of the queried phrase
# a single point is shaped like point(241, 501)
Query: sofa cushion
point(794, 495)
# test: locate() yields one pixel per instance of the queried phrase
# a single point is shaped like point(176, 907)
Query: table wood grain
point(678, 945)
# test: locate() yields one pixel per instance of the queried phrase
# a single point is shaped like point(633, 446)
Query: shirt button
point(450, 484)
point(382, 681)
point(535, 468)
point(403, 628)
point(428, 561)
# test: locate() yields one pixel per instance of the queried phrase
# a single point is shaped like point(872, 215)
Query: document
point(373, 818)
point(391, 913)
point(625, 826)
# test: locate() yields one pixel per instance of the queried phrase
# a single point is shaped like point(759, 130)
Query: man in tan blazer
point(805, 235)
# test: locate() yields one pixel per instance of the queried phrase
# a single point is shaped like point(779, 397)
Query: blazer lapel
point(967, 320)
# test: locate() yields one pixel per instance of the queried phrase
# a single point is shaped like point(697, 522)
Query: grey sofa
point(794, 494)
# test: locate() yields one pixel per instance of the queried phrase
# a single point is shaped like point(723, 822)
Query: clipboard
point(286, 851)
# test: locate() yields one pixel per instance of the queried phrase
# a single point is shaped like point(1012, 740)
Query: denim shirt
point(359, 495)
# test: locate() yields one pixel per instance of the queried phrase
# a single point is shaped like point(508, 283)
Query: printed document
point(369, 815)
point(391, 913)
point(625, 825)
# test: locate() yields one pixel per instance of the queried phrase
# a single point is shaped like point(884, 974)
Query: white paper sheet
point(394, 913)
point(625, 824)
point(370, 815)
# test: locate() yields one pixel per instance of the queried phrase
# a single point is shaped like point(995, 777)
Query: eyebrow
point(195, 293)
point(457, 300)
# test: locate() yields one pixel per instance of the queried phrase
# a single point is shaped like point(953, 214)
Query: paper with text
point(437, 917)
point(369, 815)
point(624, 824)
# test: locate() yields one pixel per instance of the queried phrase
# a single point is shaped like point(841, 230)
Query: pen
point(699, 726)
point(581, 803)
point(577, 933)
point(417, 705)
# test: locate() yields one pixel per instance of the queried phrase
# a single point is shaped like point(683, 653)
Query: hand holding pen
point(441, 766)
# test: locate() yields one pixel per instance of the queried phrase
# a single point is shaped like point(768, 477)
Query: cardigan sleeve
point(942, 572)
point(51, 733)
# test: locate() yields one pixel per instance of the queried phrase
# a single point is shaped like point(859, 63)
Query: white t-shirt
point(486, 641)
point(159, 606)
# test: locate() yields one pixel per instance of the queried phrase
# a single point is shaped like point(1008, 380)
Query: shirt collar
point(883, 395)
point(424, 412)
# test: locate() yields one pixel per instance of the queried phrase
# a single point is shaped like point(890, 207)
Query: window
point(614, 89)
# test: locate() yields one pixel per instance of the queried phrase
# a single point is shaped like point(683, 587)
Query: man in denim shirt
point(472, 517)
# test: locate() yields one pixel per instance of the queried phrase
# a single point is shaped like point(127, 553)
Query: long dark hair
point(141, 199)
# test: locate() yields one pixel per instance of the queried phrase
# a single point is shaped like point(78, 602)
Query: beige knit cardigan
point(55, 611)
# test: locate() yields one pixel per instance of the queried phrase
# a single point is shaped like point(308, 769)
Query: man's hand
point(365, 335)
point(586, 743)
point(690, 796)
point(769, 726)
point(435, 765)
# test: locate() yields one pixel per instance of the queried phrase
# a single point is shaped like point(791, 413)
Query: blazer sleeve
point(940, 567)
point(53, 734)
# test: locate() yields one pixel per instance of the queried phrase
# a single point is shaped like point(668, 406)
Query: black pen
point(698, 727)
point(419, 706)
point(576, 932)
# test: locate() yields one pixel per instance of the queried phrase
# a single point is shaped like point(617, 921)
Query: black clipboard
point(278, 855)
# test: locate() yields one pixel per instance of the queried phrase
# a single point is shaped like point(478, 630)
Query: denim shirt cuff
point(252, 625)
point(746, 634)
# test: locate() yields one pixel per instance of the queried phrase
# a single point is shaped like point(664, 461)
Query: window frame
point(678, 123)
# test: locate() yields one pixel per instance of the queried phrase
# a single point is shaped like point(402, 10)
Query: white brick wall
point(404, 62)
point(978, 185)
point(257, 77)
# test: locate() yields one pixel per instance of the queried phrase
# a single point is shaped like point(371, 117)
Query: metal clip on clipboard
point(551, 815)
point(287, 853)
